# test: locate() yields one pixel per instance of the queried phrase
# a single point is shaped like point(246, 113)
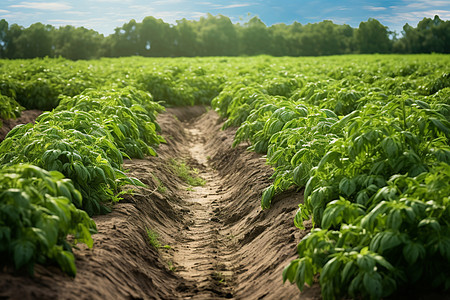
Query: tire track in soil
point(198, 257)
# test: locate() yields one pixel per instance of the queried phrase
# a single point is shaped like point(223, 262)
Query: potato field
point(226, 177)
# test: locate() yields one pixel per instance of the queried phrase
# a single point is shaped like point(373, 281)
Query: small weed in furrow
point(186, 173)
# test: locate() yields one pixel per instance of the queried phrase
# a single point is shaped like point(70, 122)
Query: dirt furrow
point(198, 255)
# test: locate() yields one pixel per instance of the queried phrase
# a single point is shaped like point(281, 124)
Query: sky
point(106, 15)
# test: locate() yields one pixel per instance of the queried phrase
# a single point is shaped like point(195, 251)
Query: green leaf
point(310, 186)
point(432, 223)
point(65, 260)
point(330, 114)
point(412, 251)
point(290, 270)
point(41, 236)
point(390, 147)
point(299, 218)
point(298, 175)
point(382, 261)
point(394, 219)
point(438, 123)
point(267, 196)
point(347, 272)
point(23, 252)
point(330, 157)
point(330, 269)
point(389, 239)
point(63, 190)
point(300, 274)
point(355, 285)
point(347, 186)
point(365, 262)
point(5, 237)
point(275, 157)
point(84, 235)
point(372, 284)
point(444, 247)
point(378, 168)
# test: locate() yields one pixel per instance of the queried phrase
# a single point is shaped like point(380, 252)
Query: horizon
point(104, 16)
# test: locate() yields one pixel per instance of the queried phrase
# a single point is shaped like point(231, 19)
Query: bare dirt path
point(198, 256)
point(229, 248)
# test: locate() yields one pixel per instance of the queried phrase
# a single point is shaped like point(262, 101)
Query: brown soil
point(221, 245)
point(28, 116)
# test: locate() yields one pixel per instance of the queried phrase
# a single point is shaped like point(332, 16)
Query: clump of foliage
point(371, 148)
point(36, 216)
point(9, 108)
point(87, 145)
point(127, 116)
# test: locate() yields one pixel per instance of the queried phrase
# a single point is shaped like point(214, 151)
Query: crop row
point(375, 165)
point(39, 83)
point(67, 166)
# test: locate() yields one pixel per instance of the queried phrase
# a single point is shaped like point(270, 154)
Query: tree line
point(218, 36)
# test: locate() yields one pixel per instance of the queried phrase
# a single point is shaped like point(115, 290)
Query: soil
point(27, 116)
point(215, 241)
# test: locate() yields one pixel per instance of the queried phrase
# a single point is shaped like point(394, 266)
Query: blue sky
point(105, 15)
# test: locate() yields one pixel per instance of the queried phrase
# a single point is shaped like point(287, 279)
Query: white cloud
point(2, 11)
point(67, 22)
point(424, 4)
point(77, 21)
point(417, 5)
point(172, 16)
point(20, 17)
point(76, 13)
point(340, 20)
point(53, 6)
point(235, 5)
point(168, 16)
point(167, 2)
point(443, 14)
point(102, 25)
point(142, 10)
point(398, 19)
point(115, 1)
point(427, 2)
point(332, 10)
point(375, 8)
point(412, 12)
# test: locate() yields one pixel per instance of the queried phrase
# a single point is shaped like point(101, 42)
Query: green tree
point(345, 35)
point(125, 40)
point(14, 31)
point(77, 43)
point(34, 41)
point(254, 38)
point(3, 34)
point(186, 42)
point(280, 40)
point(296, 31)
point(373, 37)
point(217, 36)
point(156, 38)
point(430, 35)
